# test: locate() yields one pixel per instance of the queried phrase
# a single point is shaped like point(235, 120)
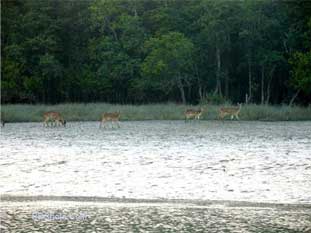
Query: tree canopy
point(146, 51)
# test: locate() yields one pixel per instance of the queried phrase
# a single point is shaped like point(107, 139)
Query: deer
point(232, 111)
point(110, 116)
point(54, 117)
point(194, 114)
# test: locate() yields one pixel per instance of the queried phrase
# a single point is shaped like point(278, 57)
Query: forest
point(156, 51)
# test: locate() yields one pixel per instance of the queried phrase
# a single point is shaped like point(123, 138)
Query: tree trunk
point(135, 9)
point(107, 22)
point(199, 82)
point(188, 85)
point(200, 92)
point(268, 93)
point(262, 84)
point(114, 33)
point(218, 82)
point(181, 89)
point(226, 85)
point(294, 97)
point(269, 85)
point(44, 97)
point(249, 79)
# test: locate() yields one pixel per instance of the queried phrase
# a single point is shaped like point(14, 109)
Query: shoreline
point(12, 113)
point(190, 202)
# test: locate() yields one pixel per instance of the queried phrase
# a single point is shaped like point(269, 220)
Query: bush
point(214, 99)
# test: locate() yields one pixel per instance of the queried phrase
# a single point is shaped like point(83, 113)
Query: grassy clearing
point(93, 111)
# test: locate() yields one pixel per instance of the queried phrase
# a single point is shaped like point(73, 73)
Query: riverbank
point(120, 217)
point(169, 111)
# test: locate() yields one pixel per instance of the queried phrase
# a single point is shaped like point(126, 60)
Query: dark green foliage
point(144, 51)
point(301, 73)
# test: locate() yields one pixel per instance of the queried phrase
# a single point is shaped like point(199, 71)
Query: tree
point(268, 60)
point(100, 50)
point(301, 73)
point(251, 35)
point(215, 25)
point(168, 61)
point(115, 49)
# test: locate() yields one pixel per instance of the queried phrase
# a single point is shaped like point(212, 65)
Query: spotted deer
point(54, 118)
point(113, 117)
point(193, 114)
point(231, 111)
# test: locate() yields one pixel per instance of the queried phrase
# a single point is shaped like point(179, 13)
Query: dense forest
point(147, 51)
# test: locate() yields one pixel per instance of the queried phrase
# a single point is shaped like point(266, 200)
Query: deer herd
point(56, 119)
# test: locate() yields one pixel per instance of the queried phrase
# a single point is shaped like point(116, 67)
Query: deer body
point(54, 117)
point(113, 117)
point(193, 114)
point(231, 111)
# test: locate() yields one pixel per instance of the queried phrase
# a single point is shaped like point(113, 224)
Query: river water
point(146, 161)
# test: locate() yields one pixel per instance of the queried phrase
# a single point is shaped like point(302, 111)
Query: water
point(266, 162)
point(148, 217)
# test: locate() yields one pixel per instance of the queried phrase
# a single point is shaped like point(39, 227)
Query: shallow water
point(251, 161)
point(268, 162)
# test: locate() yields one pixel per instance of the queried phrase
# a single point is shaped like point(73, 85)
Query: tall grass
point(169, 111)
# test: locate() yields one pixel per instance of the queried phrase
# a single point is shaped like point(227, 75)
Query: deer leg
point(220, 117)
point(115, 122)
point(49, 123)
point(223, 117)
point(186, 119)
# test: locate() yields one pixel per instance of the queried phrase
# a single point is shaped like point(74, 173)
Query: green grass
point(169, 111)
